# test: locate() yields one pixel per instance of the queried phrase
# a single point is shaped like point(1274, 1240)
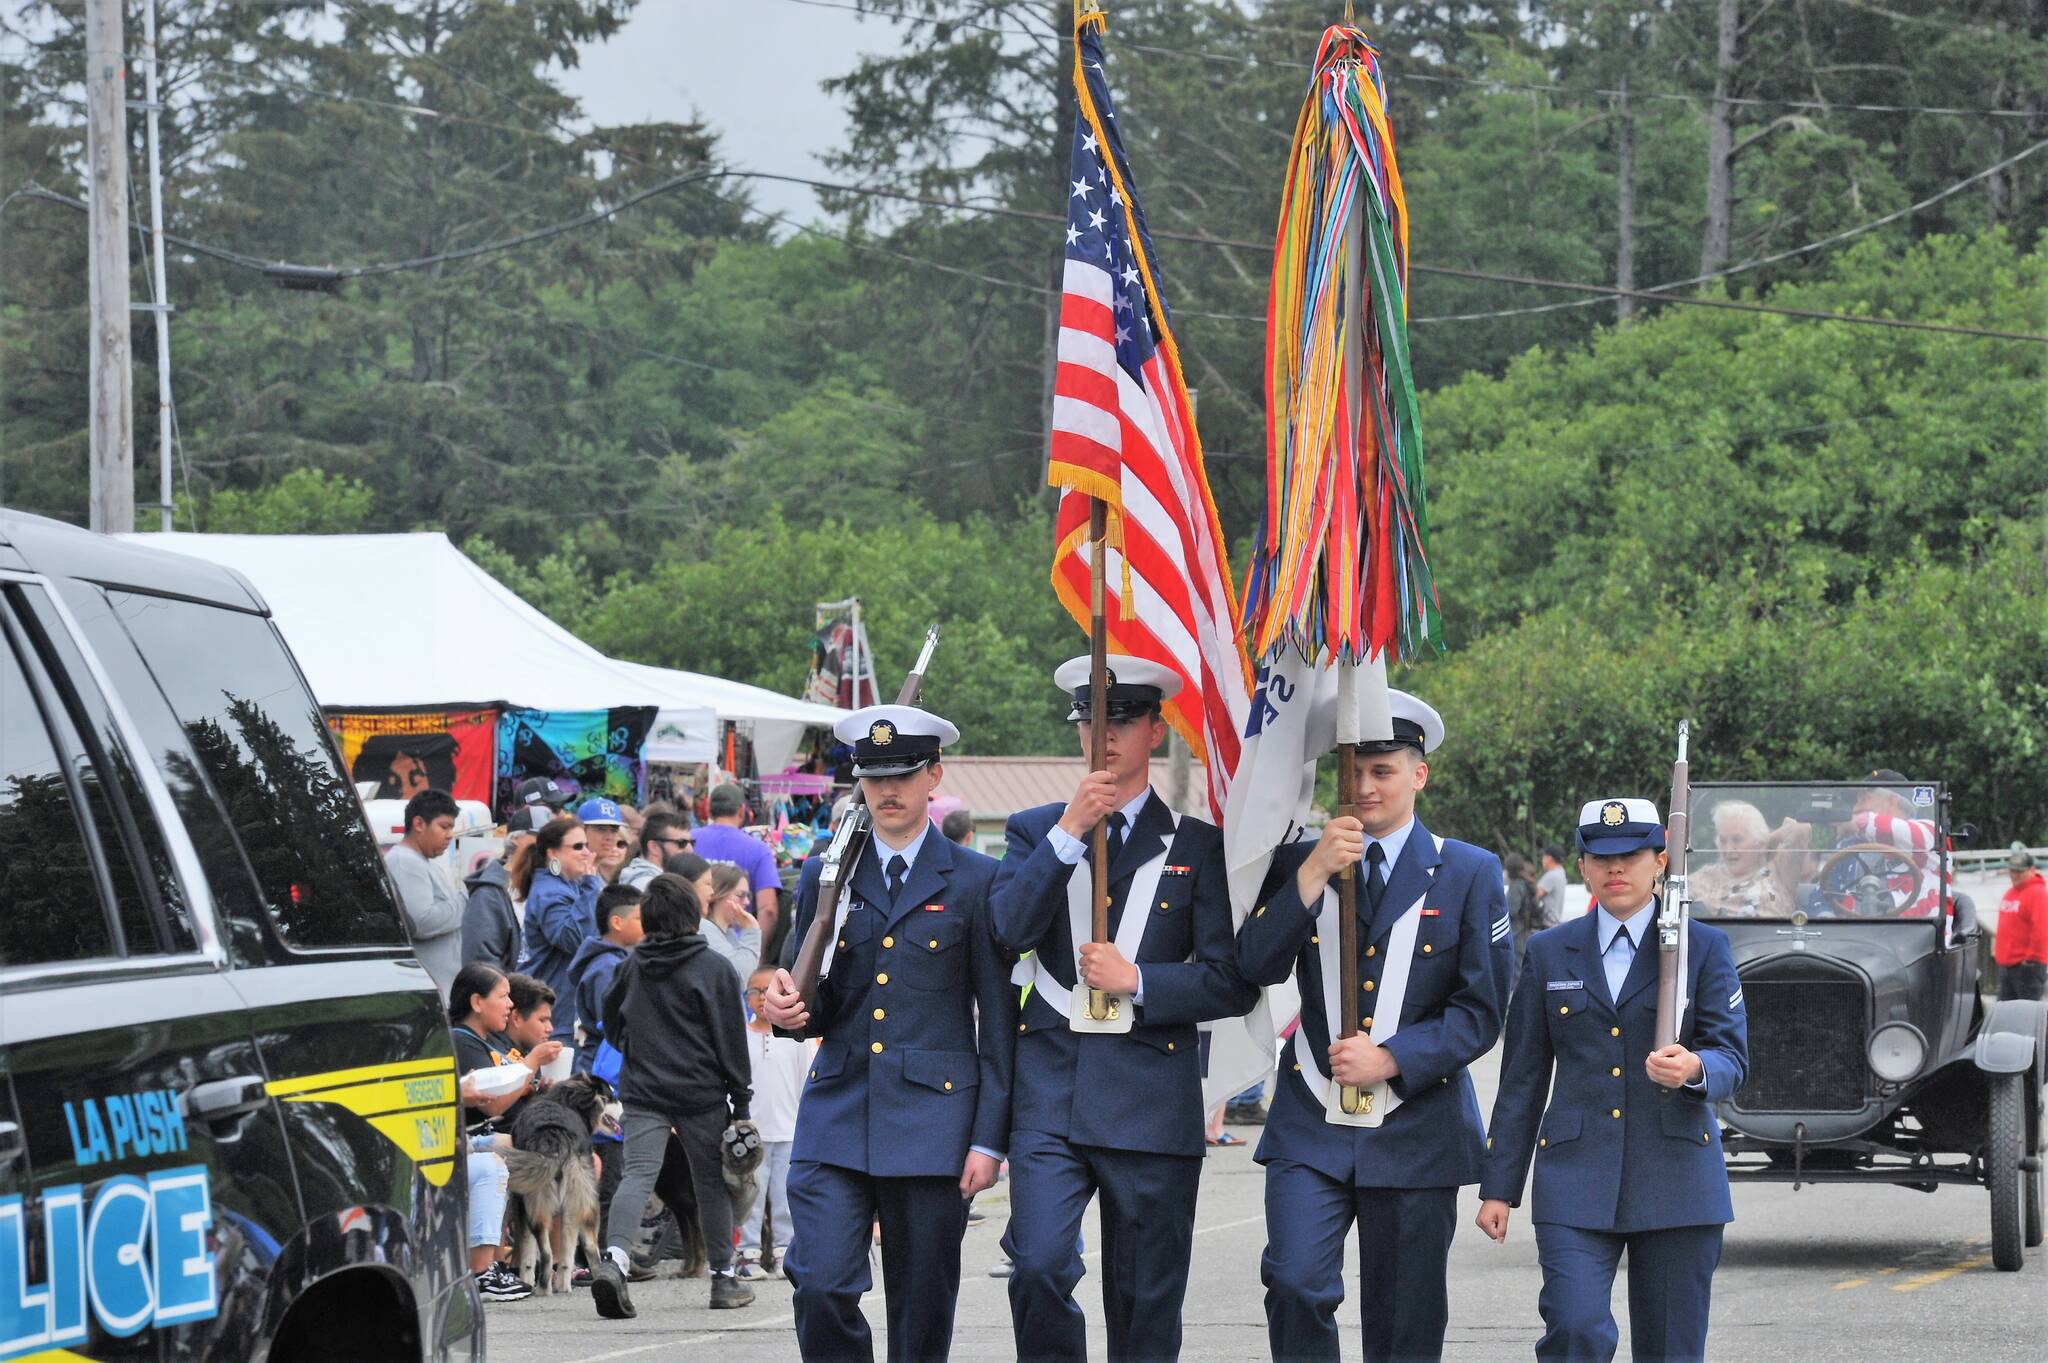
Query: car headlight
point(1897, 1051)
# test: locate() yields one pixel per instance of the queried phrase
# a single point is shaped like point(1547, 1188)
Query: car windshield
point(1826, 849)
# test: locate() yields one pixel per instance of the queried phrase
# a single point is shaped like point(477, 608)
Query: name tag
point(1565, 984)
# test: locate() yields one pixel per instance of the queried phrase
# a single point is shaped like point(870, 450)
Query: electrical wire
point(286, 272)
point(1438, 78)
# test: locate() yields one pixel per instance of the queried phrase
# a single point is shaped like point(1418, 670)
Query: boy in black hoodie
point(673, 1009)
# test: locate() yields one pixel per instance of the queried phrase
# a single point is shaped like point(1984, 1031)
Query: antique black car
point(1873, 1054)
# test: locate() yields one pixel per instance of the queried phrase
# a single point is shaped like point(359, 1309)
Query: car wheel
point(2006, 1138)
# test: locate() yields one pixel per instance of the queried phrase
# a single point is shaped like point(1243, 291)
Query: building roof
point(997, 787)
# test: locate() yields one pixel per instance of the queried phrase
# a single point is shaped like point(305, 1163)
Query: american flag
point(1123, 430)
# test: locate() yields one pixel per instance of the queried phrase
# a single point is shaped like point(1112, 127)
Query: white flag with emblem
point(1295, 718)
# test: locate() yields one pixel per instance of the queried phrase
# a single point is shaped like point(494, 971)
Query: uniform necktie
point(1375, 883)
point(1621, 953)
point(1116, 836)
point(898, 868)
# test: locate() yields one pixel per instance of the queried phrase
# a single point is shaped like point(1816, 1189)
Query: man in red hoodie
point(2022, 947)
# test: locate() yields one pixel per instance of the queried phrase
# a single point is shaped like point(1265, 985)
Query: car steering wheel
point(1885, 850)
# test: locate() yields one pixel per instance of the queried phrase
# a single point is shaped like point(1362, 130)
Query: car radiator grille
point(1806, 1039)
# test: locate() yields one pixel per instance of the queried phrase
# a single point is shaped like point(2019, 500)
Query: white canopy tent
point(403, 622)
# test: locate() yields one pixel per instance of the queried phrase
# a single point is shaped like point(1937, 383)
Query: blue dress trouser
point(833, 1211)
point(1148, 1229)
point(1404, 1239)
point(1670, 1279)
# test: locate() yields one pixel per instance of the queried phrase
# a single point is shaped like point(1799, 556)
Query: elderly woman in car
point(1758, 870)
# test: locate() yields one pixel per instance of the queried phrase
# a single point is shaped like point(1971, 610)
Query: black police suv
point(228, 1121)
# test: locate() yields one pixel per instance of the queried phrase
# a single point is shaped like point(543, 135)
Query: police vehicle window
point(264, 746)
point(154, 914)
point(49, 896)
point(237, 906)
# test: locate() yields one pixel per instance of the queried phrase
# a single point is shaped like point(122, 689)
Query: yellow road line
point(1941, 1274)
point(1850, 1282)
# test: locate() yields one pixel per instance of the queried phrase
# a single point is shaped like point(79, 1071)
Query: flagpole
point(1098, 733)
point(1349, 1097)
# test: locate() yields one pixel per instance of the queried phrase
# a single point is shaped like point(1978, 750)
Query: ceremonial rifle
point(843, 853)
point(1677, 905)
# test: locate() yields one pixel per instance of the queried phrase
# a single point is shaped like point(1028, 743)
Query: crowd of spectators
point(595, 918)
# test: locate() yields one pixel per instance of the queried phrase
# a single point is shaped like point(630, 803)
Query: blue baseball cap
point(1616, 827)
point(600, 811)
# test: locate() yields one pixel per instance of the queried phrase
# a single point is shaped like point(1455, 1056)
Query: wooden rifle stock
point(1671, 913)
point(843, 853)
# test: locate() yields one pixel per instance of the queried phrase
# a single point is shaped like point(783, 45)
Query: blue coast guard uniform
point(1116, 1114)
point(1398, 1182)
point(903, 1082)
point(1621, 1162)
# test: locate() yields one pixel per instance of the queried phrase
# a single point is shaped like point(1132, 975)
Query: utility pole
point(160, 298)
point(111, 495)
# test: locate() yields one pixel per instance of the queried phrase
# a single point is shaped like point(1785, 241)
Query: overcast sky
point(752, 70)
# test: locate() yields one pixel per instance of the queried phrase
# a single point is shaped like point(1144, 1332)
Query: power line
point(316, 276)
point(1438, 78)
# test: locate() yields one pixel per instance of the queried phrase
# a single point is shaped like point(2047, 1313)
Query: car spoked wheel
point(2009, 1183)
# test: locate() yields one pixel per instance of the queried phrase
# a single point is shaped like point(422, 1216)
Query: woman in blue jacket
point(1628, 1150)
point(556, 873)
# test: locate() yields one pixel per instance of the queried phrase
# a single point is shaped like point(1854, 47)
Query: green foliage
point(1934, 671)
point(303, 502)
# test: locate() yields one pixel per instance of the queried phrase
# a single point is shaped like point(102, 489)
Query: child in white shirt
point(780, 1066)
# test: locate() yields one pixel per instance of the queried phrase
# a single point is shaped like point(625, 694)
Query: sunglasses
point(753, 990)
point(678, 842)
point(576, 846)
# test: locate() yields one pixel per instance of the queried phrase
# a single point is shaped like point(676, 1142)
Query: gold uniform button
point(949, 1086)
point(1162, 904)
point(881, 1013)
point(1021, 1026)
point(1259, 912)
point(934, 944)
point(1563, 1009)
point(1616, 1071)
point(882, 978)
point(1489, 1142)
point(1314, 940)
point(1370, 986)
point(1169, 1045)
point(814, 1074)
point(1542, 1141)
point(1372, 951)
point(1425, 948)
point(876, 1048)
point(842, 944)
point(1297, 1067)
point(1614, 1031)
point(1703, 1138)
point(1365, 1022)
point(888, 941)
point(1615, 1113)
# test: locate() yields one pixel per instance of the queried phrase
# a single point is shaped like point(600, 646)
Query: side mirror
point(1963, 832)
point(1966, 915)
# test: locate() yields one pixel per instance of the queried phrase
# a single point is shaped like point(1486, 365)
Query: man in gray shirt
point(1550, 886)
point(433, 910)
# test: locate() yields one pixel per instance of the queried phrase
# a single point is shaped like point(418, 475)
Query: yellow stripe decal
point(55, 1356)
point(386, 1095)
point(279, 1088)
point(411, 1103)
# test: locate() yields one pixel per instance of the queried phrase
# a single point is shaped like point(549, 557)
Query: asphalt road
point(1816, 1276)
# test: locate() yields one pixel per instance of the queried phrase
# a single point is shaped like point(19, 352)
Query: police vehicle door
point(143, 1213)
